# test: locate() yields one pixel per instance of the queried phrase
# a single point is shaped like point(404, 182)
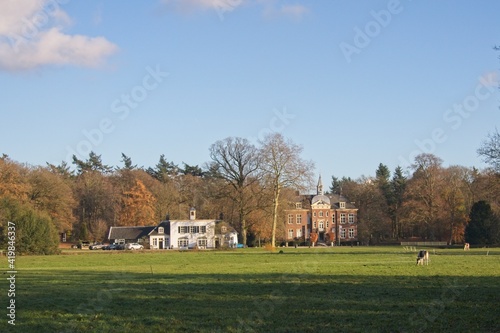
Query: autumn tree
point(282, 167)
point(423, 196)
point(97, 205)
point(49, 192)
point(454, 199)
point(138, 206)
point(236, 162)
point(13, 180)
point(373, 222)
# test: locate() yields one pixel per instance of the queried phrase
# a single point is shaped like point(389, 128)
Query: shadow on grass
point(76, 301)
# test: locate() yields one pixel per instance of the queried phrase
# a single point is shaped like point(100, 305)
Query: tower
point(319, 188)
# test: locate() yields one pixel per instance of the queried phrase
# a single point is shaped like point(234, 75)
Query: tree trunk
point(275, 217)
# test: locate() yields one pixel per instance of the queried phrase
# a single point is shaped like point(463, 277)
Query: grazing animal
point(466, 247)
point(423, 258)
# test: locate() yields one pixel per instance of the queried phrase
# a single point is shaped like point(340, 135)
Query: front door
point(160, 244)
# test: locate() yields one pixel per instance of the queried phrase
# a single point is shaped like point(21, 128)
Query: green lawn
point(343, 289)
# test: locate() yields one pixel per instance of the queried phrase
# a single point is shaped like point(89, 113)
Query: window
point(342, 233)
point(342, 204)
point(299, 233)
point(183, 242)
point(299, 219)
point(327, 213)
point(202, 242)
point(203, 229)
point(351, 218)
point(321, 225)
point(342, 218)
point(194, 229)
point(183, 229)
point(351, 233)
point(290, 218)
point(290, 233)
point(223, 229)
point(327, 224)
point(155, 242)
point(314, 214)
point(314, 225)
point(298, 205)
point(333, 219)
point(321, 214)
point(161, 230)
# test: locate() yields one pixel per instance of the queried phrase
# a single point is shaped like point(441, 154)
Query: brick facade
point(331, 216)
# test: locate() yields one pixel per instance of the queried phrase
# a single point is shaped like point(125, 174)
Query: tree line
point(248, 186)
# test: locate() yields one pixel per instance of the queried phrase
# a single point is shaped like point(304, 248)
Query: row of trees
point(432, 203)
point(248, 185)
point(245, 184)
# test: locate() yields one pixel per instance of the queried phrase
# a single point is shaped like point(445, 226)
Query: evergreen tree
point(398, 186)
point(163, 170)
point(484, 225)
point(127, 163)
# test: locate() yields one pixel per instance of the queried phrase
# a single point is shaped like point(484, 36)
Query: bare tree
point(282, 167)
point(490, 150)
point(236, 161)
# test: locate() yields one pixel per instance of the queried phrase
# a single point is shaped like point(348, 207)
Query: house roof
point(166, 228)
point(332, 199)
point(129, 232)
point(320, 198)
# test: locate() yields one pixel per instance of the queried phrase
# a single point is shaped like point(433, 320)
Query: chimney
point(192, 213)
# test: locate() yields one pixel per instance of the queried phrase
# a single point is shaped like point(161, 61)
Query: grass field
point(343, 289)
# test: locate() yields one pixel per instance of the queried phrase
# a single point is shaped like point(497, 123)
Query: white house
point(202, 234)
point(179, 234)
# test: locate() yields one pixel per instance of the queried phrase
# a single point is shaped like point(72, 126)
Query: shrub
point(35, 231)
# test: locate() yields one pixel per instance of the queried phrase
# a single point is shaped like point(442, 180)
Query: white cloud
point(31, 35)
point(195, 5)
point(270, 8)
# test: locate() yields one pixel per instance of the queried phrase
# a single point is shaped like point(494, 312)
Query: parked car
point(96, 246)
point(83, 245)
point(113, 246)
point(134, 246)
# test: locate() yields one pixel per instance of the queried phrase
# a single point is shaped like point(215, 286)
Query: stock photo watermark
point(454, 118)
point(32, 26)
point(11, 273)
point(278, 122)
point(121, 108)
point(381, 19)
point(224, 6)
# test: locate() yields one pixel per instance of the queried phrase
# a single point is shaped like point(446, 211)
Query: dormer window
point(161, 230)
point(298, 205)
point(223, 229)
point(342, 204)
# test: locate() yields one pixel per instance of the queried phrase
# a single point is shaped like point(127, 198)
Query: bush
point(35, 231)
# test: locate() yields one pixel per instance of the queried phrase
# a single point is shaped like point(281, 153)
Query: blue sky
point(356, 83)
